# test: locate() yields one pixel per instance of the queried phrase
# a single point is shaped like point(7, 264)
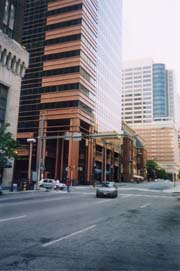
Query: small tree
point(179, 174)
point(162, 174)
point(8, 148)
point(154, 171)
point(152, 168)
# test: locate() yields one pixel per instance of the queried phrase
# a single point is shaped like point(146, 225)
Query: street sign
point(34, 176)
point(77, 136)
point(74, 136)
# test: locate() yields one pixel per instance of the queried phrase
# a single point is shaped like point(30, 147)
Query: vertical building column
point(44, 144)
point(102, 165)
point(41, 146)
point(62, 159)
point(90, 156)
point(73, 157)
point(57, 159)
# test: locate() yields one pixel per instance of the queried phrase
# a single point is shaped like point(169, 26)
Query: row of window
point(64, 9)
point(63, 39)
point(136, 81)
point(34, 17)
point(65, 87)
point(63, 24)
point(62, 71)
point(66, 104)
point(62, 55)
point(67, 70)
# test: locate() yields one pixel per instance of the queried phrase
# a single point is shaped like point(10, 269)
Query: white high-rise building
point(149, 107)
point(137, 94)
point(171, 93)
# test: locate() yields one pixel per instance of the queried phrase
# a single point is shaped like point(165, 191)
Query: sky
point(151, 29)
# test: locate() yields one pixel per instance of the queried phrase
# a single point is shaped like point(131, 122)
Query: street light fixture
point(31, 141)
point(105, 159)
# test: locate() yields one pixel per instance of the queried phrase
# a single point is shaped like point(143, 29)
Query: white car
point(107, 189)
point(47, 183)
point(60, 186)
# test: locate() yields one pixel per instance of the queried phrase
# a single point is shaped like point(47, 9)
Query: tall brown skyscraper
point(60, 85)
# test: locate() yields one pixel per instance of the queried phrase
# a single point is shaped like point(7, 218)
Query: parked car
point(60, 186)
point(47, 183)
point(107, 189)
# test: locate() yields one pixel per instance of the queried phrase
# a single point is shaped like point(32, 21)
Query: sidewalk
point(7, 192)
point(175, 189)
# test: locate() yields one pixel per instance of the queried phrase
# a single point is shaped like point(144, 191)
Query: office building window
point(3, 102)
point(6, 12)
point(9, 17)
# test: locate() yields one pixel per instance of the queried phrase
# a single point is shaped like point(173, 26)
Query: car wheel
point(97, 195)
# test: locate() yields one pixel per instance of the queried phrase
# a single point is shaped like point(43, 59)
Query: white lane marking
point(137, 189)
point(34, 201)
point(149, 196)
point(107, 200)
point(145, 205)
point(68, 236)
point(12, 218)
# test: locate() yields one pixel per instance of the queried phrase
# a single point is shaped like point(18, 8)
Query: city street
point(139, 230)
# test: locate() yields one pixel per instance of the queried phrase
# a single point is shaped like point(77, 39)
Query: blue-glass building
point(160, 95)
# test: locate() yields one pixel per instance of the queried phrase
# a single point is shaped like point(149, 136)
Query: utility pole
point(40, 152)
point(105, 159)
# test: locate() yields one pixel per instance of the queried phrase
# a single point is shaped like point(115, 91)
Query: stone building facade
point(13, 63)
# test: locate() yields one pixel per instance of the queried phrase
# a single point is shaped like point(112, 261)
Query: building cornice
point(13, 56)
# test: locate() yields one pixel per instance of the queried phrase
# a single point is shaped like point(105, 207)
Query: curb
point(4, 192)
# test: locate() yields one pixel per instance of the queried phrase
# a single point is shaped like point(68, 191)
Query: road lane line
point(145, 205)
point(40, 200)
point(68, 236)
point(152, 196)
point(107, 200)
point(148, 196)
point(12, 218)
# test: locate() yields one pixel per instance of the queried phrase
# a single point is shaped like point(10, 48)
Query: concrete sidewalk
point(175, 189)
point(7, 192)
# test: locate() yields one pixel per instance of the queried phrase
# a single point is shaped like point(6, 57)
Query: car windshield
point(107, 184)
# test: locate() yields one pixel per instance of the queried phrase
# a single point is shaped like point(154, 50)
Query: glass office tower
point(108, 95)
point(160, 97)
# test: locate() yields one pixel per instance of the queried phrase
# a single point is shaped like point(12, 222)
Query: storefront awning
point(138, 177)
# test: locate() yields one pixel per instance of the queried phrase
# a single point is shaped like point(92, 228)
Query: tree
point(152, 168)
point(154, 171)
point(8, 148)
point(162, 174)
point(179, 174)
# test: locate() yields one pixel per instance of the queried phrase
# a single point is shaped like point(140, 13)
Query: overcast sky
point(151, 28)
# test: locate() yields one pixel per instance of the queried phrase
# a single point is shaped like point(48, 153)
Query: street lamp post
point(105, 159)
point(30, 141)
point(39, 163)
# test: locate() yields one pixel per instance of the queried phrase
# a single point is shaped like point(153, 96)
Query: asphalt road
point(139, 231)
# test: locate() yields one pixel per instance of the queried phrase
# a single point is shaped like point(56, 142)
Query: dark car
point(107, 189)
